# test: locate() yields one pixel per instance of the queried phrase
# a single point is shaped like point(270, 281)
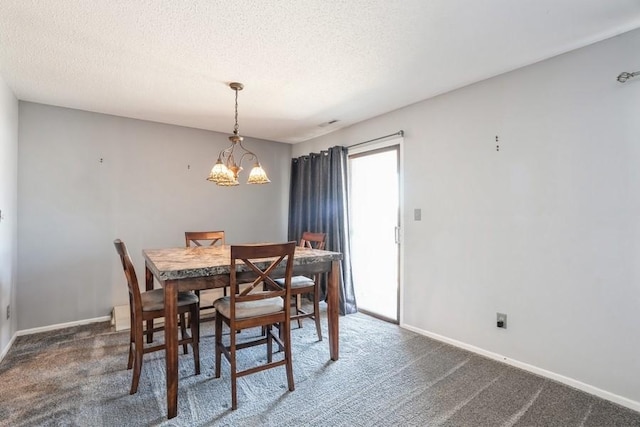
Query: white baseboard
point(63, 325)
point(620, 400)
point(8, 347)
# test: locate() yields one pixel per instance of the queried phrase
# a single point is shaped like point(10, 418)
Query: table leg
point(333, 299)
point(148, 285)
point(148, 278)
point(171, 341)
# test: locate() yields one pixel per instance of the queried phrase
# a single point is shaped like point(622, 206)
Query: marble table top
point(184, 263)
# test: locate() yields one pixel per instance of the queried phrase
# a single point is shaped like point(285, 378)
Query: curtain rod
point(400, 133)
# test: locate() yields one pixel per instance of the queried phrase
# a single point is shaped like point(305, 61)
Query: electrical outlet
point(501, 320)
point(8, 312)
point(417, 214)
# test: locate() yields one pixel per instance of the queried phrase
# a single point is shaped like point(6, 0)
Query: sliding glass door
point(375, 225)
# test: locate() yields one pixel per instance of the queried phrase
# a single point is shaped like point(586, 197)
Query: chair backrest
point(313, 240)
point(203, 238)
point(254, 260)
point(132, 280)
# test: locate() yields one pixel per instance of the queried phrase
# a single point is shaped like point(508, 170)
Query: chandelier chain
point(235, 128)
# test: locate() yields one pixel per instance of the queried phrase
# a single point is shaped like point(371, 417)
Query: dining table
point(196, 268)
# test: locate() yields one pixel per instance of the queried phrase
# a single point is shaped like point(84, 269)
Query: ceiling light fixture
point(623, 77)
point(225, 171)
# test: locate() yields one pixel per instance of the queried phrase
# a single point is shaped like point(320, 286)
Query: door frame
point(371, 148)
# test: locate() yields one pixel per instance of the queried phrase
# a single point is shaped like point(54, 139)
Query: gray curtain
point(318, 203)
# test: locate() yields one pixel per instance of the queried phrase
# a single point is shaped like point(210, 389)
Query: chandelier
point(225, 171)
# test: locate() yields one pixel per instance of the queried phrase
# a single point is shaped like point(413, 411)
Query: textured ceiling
point(303, 62)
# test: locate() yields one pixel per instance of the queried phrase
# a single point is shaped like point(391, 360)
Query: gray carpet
point(386, 376)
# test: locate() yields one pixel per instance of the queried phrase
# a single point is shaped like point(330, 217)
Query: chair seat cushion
point(298, 282)
point(248, 308)
point(154, 300)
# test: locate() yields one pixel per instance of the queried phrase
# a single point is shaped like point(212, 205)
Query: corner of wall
point(9, 107)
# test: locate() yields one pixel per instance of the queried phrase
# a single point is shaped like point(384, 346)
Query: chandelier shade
point(226, 169)
point(258, 175)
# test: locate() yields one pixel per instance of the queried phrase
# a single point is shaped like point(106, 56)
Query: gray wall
point(546, 230)
point(149, 188)
point(9, 214)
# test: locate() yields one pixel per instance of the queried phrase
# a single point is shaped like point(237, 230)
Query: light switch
point(417, 214)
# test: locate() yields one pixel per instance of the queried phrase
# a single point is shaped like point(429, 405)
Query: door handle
point(397, 234)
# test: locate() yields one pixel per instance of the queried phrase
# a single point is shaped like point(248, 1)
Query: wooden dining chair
point(206, 238)
point(303, 285)
point(203, 238)
point(261, 303)
point(146, 306)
